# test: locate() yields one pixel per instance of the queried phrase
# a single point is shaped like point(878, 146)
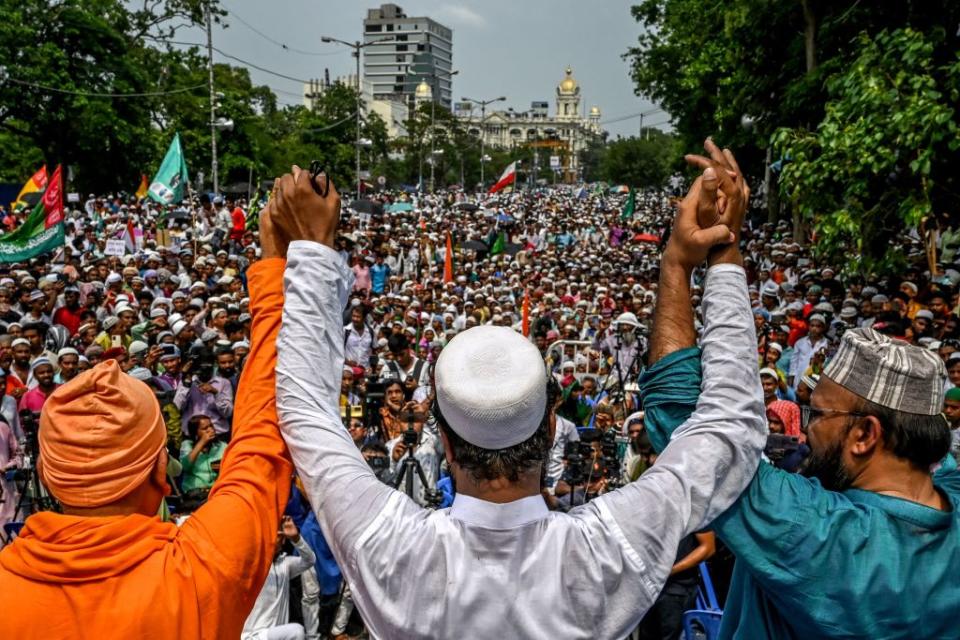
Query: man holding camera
point(498, 564)
point(426, 449)
point(203, 393)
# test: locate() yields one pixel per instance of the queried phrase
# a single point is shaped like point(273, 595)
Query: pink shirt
point(33, 400)
point(362, 278)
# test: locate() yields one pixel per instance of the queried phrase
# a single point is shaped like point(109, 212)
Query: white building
point(563, 135)
point(391, 109)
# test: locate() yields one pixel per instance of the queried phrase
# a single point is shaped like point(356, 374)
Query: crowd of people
point(565, 268)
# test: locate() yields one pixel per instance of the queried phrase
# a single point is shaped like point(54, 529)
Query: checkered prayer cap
point(889, 372)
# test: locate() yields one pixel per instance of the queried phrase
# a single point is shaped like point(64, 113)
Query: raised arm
point(343, 491)
point(712, 456)
point(232, 536)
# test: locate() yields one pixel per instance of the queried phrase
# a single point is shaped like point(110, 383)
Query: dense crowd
point(566, 268)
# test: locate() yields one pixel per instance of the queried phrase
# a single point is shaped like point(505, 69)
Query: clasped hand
point(711, 215)
point(298, 212)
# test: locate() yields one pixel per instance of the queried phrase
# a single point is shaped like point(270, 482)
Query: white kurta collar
point(492, 515)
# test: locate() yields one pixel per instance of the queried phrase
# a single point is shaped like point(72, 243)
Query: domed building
point(557, 138)
point(423, 94)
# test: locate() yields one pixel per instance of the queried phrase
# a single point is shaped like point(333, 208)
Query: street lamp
point(483, 124)
point(433, 117)
point(357, 46)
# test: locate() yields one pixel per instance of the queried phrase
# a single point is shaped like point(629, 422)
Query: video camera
point(200, 364)
point(780, 446)
point(594, 456)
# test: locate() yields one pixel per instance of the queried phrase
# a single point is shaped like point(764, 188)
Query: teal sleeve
point(669, 390)
point(947, 466)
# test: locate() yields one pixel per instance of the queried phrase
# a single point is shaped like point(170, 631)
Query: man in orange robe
point(108, 567)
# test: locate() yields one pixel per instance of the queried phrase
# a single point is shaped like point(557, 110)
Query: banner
point(171, 180)
point(42, 231)
point(630, 207)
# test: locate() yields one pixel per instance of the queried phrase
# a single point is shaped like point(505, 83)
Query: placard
point(115, 247)
point(73, 197)
point(554, 162)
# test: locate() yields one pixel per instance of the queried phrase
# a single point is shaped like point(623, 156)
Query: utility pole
point(356, 52)
point(357, 46)
point(213, 101)
point(483, 127)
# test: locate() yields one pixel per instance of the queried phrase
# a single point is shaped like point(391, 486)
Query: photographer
point(200, 455)
point(393, 400)
point(405, 366)
point(203, 393)
point(426, 446)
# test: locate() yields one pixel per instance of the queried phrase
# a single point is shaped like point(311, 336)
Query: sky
point(515, 48)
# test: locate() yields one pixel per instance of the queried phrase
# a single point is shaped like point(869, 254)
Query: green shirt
point(200, 474)
point(813, 563)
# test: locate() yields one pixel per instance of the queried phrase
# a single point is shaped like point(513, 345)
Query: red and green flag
point(42, 231)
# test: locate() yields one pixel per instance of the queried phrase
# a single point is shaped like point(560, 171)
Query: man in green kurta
point(865, 544)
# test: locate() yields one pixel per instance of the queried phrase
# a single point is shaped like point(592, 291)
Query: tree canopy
point(789, 77)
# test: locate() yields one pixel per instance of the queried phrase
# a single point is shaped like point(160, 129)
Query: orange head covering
point(100, 435)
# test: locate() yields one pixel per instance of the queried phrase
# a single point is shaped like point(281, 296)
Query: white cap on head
point(492, 386)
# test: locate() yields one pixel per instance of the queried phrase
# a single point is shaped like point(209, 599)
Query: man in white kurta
point(504, 569)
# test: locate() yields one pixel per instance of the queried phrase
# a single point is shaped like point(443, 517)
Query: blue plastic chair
point(706, 596)
point(701, 625)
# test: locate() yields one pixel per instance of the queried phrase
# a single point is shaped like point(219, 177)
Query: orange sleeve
point(232, 537)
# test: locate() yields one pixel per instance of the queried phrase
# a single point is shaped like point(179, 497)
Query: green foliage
point(882, 158)
point(640, 162)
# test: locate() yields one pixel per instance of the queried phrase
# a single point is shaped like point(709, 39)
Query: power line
point(280, 44)
point(641, 114)
point(234, 58)
point(94, 94)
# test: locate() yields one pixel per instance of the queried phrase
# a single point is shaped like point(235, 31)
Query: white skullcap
point(491, 386)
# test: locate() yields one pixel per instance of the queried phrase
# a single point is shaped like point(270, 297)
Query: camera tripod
point(411, 468)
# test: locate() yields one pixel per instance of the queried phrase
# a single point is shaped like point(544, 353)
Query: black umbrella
point(466, 206)
point(367, 206)
point(476, 245)
point(512, 248)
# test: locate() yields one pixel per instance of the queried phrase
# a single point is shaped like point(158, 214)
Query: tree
point(710, 64)
point(883, 157)
point(640, 162)
point(56, 55)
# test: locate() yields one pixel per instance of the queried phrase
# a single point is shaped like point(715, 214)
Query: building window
point(398, 88)
point(402, 38)
point(401, 47)
point(419, 47)
point(389, 27)
point(398, 79)
point(374, 28)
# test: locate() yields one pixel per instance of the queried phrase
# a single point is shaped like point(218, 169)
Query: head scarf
point(100, 435)
point(789, 414)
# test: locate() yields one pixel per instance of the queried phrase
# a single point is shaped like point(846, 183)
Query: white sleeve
point(343, 491)
point(295, 565)
point(712, 456)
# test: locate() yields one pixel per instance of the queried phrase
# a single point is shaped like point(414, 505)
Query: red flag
point(448, 261)
point(507, 178)
point(53, 199)
point(526, 313)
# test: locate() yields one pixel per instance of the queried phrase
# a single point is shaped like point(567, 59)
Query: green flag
point(498, 244)
point(42, 231)
point(631, 205)
point(172, 178)
point(253, 217)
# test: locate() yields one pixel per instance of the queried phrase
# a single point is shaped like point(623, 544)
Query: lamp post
point(483, 126)
point(357, 46)
point(433, 115)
